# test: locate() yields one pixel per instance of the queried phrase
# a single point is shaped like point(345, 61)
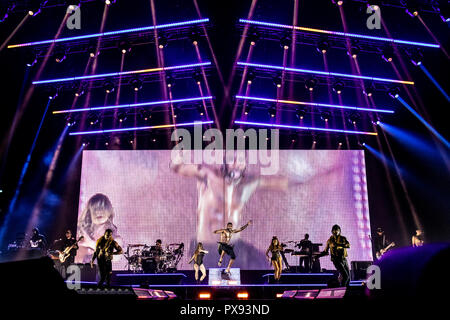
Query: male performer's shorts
point(228, 250)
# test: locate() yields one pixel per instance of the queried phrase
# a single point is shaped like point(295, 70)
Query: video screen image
point(143, 196)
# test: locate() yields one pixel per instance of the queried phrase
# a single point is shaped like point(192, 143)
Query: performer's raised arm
point(243, 227)
point(219, 231)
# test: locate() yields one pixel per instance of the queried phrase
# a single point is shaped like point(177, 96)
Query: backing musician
point(337, 246)
point(37, 240)
point(306, 248)
point(380, 243)
point(67, 242)
point(104, 250)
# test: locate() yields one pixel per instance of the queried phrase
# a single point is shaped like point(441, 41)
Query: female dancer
point(275, 248)
point(197, 257)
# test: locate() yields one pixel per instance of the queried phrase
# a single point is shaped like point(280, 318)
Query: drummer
point(157, 250)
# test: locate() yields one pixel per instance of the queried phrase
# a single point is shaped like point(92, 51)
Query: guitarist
point(337, 247)
point(38, 241)
point(67, 242)
point(104, 250)
point(380, 243)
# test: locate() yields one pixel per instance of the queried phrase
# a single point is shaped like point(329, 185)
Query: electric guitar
point(35, 244)
point(63, 255)
point(380, 253)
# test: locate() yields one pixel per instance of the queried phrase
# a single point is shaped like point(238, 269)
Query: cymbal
point(136, 245)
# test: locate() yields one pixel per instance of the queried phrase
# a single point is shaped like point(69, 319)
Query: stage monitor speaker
point(359, 269)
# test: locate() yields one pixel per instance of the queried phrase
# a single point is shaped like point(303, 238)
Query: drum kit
point(151, 259)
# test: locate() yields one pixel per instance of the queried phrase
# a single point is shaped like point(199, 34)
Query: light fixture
point(145, 114)
point(387, 54)
point(247, 110)
point(310, 84)
point(253, 38)
point(394, 92)
point(79, 91)
point(353, 51)
point(53, 93)
point(197, 77)
point(30, 59)
point(285, 42)
point(109, 2)
point(277, 81)
point(322, 46)
point(92, 50)
point(415, 56)
point(136, 84)
point(272, 112)
point(412, 9)
point(354, 117)
point(122, 116)
point(194, 37)
point(108, 86)
point(59, 55)
point(201, 110)
point(368, 90)
point(338, 2)
point(70, 121)
point(93, 119)
point(250, 77)
point(338, 87)
point(325, 115)
point(124, 47)
point(300, 113)
point(162, 42)
point(170, 81)
point(175, 112)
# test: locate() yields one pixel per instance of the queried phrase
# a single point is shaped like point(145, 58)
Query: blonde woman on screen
point(95, 219)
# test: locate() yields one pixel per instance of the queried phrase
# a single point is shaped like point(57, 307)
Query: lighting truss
point(283, 126)
point(163, 126)
point(314, 104)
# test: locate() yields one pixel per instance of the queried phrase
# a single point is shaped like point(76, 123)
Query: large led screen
point(143, 196)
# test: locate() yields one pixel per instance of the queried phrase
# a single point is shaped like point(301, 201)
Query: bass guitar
point(63, 255)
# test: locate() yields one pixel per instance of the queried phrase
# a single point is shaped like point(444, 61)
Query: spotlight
point(325, 116)
point(108, 86)
point(145, 114)
point(53, 93)
point(354, 117)
point(92, 50)
point(136, 84)
point(201, 110)
point(59, 55)
point(253, 38)
point(247, 110)
point(204, 295)
point(124, 47)
point(35, 8)
point(78, 92)
point(109, 2)
point(85, 143)
point(310, 84)
point(162, 42)
point(70, 122)
point(272, 112)
point(30, 59)
point(293, 137)
point(415, 57)
point(368, 90)
point(93, 119)
point(175, 112)
point(300, 113)
point(353, 51)
point(412, 9)
point(122, 116)
point(338, 87)
point(197, 77)
point(170, 81)
point(285, 42)
point(250, 77)
point(444, 11)
point(130, 138)
point(194, 37)
point(338, 2)
point(387, 54)
point(277, 81)
point(322, 46)
point(394, 92)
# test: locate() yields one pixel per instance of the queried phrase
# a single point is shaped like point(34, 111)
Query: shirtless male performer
point(224, 243)
point(223, 193)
